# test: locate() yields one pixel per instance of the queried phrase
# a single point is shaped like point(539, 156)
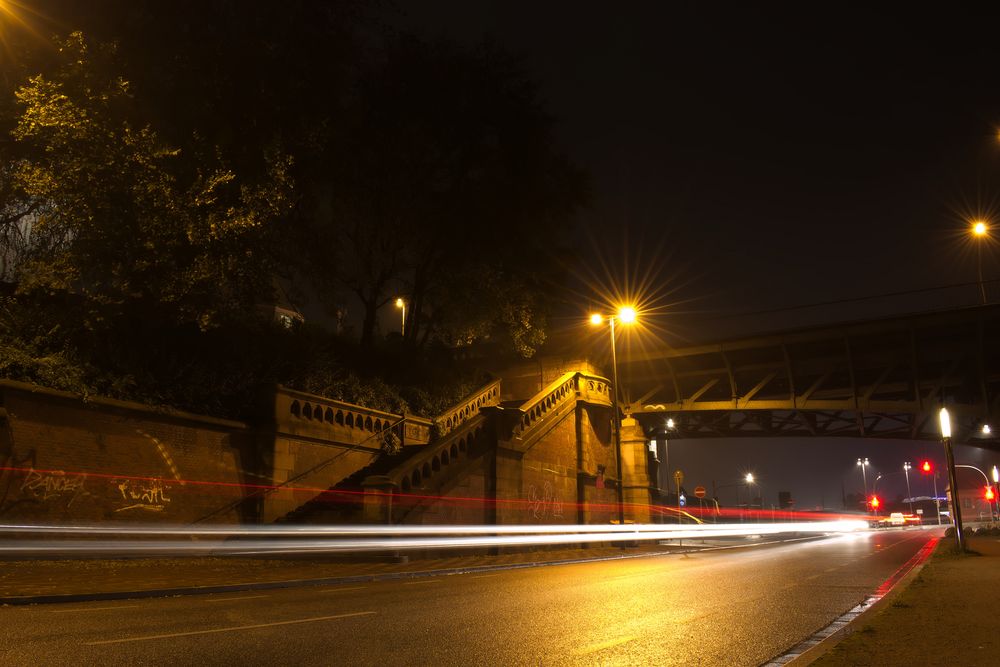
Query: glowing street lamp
point(980, 230)
point(864, 476)
point(625, 315)
point(956, 506)
point(401, 304)
point(906, 471)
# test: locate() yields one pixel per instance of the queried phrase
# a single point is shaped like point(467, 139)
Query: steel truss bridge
point(883, 378)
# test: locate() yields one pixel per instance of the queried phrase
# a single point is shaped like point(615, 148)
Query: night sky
point(753, 158)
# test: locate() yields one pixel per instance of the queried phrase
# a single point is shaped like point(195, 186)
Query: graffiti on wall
point(143, 494)
point(545, 504)
point(53, 484)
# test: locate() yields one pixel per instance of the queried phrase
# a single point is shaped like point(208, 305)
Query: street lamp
point(625, 315)
point(909, 496)
point(989, 487)
point(401, 304)
point(980, 231)
point(996, 482)
point(864, 477)
point(956, 506)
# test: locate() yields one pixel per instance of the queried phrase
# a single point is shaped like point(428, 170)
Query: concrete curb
point(844, 630)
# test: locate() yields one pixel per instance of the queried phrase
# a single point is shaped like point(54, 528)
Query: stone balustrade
point(468, 408)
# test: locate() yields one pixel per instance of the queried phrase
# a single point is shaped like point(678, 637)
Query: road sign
point(699, 491)
point(682, 501)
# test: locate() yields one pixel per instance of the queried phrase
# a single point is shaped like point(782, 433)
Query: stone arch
point(445, 459)
point(368, 424)
point(349, 421)
point(461, 445)
point(307, 411)
point(339, 417)
point(296, 409)
point(415, 477)
point(454, 451)
point(328, 415)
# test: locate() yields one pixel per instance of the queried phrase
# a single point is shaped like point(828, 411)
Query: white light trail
point(360, 539)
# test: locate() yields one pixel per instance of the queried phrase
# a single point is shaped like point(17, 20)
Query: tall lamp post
point(749, 480)
point(864, 477)
point(401, 304)
point(980, 231)
point(909, 496)
point(625, 315)
point(989, 487)
point(996, 483)
point(956, 506)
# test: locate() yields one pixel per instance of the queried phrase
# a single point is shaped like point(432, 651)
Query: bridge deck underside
point(875, 379)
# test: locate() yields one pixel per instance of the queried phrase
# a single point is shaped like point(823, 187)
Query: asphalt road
point(726, 607)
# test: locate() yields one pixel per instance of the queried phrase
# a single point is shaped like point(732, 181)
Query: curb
point(824, 640)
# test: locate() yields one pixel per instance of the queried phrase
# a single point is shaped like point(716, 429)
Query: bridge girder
point(884, 378)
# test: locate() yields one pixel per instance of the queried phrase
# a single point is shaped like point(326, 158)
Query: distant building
point(785, 501)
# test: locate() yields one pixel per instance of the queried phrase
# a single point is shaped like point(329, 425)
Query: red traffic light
point(989, 493)
point(926, 466)
point(875, 502)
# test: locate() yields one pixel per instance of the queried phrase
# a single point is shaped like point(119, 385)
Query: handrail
point(450, 419)
point(579, 385)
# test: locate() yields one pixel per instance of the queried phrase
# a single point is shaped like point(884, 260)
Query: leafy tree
point(121, 218)
point(452, 180)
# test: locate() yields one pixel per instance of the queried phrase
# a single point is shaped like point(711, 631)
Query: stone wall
point(70, 461)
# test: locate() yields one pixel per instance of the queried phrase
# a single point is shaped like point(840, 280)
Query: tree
point(124, 220)
point(449, 178)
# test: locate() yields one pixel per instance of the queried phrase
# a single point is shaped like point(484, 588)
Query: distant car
point(899, 519)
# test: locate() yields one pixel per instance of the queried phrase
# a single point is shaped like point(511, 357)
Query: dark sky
point(760, 157)
point(782, 154)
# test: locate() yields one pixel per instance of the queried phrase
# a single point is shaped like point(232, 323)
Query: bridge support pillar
point(636, 486)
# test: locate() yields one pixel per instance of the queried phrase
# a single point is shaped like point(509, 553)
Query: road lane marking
point(427, 581)
point(67, 611)
point(340, 590)
point(228, 629)
point(484, 576)
point(594, 648)
point(245, 597)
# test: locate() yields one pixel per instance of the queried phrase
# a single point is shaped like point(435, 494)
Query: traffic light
point(989, 493)
point(926, 466)
point(875, 502)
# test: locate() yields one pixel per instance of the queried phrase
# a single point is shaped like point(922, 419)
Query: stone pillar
point(377, 502)
point(636, 487)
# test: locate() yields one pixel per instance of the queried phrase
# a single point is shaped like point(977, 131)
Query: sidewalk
point(946, 614)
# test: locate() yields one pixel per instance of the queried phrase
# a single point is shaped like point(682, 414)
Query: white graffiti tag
point(53, 484)
point(544, 505)
point(150, 494)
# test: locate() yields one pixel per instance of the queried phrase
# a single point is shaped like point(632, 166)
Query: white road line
point(229, 629)
point(245, 597)
point(67, 611)
point(340, 590)
point(426, 581)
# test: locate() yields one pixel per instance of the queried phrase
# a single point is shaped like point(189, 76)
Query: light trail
point(274, 540)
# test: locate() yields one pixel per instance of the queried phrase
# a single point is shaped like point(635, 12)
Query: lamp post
point(401, 304)
point(956, 505)
point(909, 496)
point(927, 468)
point(749, 481)
point(980, 231)
point(625, 315)
point(996, 482)
point(864, 477)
